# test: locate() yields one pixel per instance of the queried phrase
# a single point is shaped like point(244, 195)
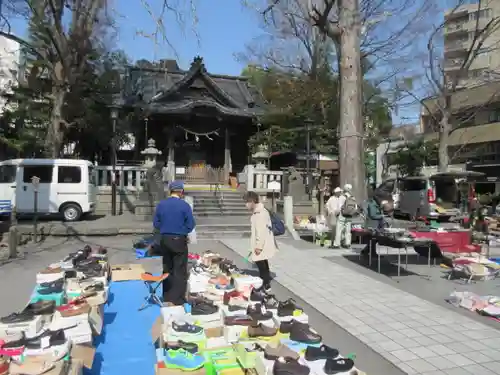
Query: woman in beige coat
point(262, 240)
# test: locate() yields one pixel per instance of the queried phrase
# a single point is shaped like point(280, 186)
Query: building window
point(483, 13)
point(494, 116)
point(69, 175)
point(43, 172)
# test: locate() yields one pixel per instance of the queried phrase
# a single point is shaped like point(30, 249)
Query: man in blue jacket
point(174, 220)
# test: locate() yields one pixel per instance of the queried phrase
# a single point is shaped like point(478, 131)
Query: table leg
point(429, 255)
point(378, 258)
point(399, 261)
point(406, 251)
point(370, 253)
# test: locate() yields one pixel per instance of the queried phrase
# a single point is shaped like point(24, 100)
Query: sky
point(222, 30)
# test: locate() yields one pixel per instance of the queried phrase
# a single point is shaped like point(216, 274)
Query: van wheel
point(71, 212)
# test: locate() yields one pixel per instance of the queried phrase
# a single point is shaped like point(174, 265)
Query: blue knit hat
point(176, 186)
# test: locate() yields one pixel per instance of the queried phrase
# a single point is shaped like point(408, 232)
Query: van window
point(69, 175)
point(91, 176)
point(413, 185)
point(8, 174)
point(43, 172)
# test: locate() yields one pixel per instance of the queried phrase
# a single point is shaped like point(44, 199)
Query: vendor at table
point(174, 220)
point(374, 220)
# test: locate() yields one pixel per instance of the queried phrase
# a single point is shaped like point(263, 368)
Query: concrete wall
point(125, 201)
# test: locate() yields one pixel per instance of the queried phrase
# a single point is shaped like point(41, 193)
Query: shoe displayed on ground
point(59, 283)
point(22, 317)
point(237, 304)
point(183, 360)
point(338, 366)
point(6, 337)
point(41, 308)
point(30, 367)
point(74, 309)
point(314, 353)
point(286, 326)
point(190, 347)
point(10, 351)
point(273, 352)
point(238, 320)
point(287, 366)
point(187, 328)
point(53, 338)
point(270, 302)
point(203, 308)
point(259, 312)
point(286, 308)
point(303, 333)
point(258, 295)
point(261, 330)
point(233, 294)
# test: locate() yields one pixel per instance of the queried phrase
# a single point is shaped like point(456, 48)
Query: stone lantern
point(150, 153)
point(261, 157)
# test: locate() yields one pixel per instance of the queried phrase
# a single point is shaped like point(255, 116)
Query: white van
point(67, 187)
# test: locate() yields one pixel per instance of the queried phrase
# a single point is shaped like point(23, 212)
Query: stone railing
point(132, 177)
point(258, 179)
point(128, 177)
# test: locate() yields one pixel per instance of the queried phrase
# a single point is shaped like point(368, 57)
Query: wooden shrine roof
point(176, 91)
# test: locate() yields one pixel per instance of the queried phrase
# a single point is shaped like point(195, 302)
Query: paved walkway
point(418, 336)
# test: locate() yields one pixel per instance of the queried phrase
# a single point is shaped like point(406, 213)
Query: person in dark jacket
point(174, 220)
point(374, 220)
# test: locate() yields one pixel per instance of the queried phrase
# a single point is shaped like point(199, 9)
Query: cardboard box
point(96, 319)
point(214, 332)
point(84, 355)
point(126, 272)
point(30, 328)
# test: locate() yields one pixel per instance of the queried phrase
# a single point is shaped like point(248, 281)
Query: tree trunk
point(444, 135)
point(352, 168)
point(53, 141)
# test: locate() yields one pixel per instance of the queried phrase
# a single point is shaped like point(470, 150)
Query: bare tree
point(60, 50)
point(360, 32)
point(445, 93)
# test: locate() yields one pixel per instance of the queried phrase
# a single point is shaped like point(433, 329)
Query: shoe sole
point(176, 367)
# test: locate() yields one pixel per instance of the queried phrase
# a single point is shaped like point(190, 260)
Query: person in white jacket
point(333, 207)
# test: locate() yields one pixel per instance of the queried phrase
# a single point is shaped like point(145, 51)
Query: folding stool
point(152, 283)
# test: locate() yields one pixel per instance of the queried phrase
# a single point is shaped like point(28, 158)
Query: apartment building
point(10, 54)
point(475, 137)
point(459, 34)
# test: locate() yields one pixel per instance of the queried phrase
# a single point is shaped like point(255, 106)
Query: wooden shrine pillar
point(228, 168)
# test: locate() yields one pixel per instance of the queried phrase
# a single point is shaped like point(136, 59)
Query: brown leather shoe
point(238, 320)
point(273, 352)
point(260, 330)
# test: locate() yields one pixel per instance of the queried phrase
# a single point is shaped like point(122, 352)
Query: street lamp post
point(114, 118)
point(307, 124)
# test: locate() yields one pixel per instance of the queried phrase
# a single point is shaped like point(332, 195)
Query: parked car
point(66, 187)
point(420, 196)
point(389, 190)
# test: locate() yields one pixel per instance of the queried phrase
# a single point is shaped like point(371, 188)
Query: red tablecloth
point(451, 242)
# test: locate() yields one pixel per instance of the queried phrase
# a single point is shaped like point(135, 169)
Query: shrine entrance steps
point(220, 212)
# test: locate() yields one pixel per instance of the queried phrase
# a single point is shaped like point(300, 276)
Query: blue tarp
point(125, 346)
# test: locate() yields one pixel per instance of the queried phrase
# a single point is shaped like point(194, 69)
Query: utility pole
point(351, 150)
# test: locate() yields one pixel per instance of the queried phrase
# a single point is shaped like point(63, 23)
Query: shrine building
point(201, 122)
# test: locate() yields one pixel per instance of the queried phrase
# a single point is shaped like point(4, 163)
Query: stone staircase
point(223, 203)
point(220, 215)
